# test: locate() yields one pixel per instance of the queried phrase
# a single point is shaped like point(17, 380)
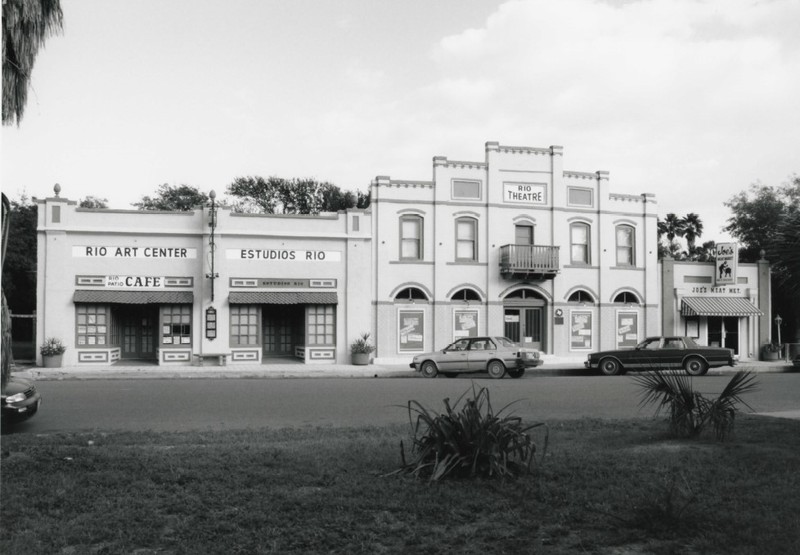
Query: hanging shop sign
point(727, 263)
point(580, 330)
point(132, 252)
point(524, 193)
point(283, 255)
point(465, 323)
point(211, 323)
point(411, 324)
point(627, 330)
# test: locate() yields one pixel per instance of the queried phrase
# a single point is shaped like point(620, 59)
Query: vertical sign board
point(465, 323)
point(580, 330)
point(727, 262)
point(627, 330)
point(411, 328)
point(211, 323)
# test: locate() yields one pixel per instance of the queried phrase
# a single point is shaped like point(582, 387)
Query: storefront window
point(176, 324)
point(244, 324)
point(92, 324)
point(580, 331)
point(321, 324)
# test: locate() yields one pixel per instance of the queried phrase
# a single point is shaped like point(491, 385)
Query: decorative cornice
point(521, 150)
point(580, 175)
point(444, 162)
point(408, 183)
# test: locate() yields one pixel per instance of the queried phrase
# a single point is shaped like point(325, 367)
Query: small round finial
point(212, 194)
point(762, 253)
point(57, 189)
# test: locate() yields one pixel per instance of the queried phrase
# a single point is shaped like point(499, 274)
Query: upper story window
point(580, 197)
point(466, 239)
point(523, 235)
point(463, 189)
point(626, 236)
point(410, 238)
point(579, 243)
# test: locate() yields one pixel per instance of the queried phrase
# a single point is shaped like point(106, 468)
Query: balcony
point(528, 262)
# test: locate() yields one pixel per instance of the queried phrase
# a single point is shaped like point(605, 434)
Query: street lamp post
point(778, 322)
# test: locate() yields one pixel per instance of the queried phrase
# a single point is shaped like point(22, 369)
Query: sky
point(690, 100)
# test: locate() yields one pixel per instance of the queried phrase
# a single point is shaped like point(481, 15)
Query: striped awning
point(283, 297)
point(106, 296)
point(718, 306)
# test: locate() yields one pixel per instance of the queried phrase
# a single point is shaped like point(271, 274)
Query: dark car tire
point(695, 366)
point(496, 369)
point(516, 373)
point(450, 374)
point(428, 369)
point(609, 367)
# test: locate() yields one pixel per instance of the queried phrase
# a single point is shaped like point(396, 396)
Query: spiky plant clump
point(689, 410)
point(469, 441)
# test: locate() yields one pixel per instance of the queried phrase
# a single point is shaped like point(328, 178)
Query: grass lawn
point(617, 487)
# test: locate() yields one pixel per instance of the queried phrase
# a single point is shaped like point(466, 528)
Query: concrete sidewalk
point(552, 367)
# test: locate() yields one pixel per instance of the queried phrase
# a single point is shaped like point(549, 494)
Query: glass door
point(524, 326)
point(138, 324)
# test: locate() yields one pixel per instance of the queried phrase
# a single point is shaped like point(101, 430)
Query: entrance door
point(524, 326)
point(283, 329)
point(138, 326)
point(723, 331)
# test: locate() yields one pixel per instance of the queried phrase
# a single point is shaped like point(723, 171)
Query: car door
point(480, 350)
point(672, 352)
point(647, 354)
point(455, 357)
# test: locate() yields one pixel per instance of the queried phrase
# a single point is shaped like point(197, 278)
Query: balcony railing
point(528, 261)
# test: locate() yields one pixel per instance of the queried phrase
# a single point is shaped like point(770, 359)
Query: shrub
point(470, 442)
point(362, 345)
point(52, 346)
point(689, 410)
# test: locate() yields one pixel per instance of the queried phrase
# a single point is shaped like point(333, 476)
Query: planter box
point(52, 361)
point(360, 359)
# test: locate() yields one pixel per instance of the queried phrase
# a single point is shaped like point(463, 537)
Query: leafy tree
point(26, 26)
point(19, 262)
point(93, 202)
point(768, 218)
point(670, 227)
point(175, 198)
point(276, 195)
point(704, 253)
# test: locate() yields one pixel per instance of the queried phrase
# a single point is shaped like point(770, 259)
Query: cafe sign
point(134, 282)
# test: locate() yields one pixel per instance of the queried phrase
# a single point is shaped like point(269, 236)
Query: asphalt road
point(218, 404)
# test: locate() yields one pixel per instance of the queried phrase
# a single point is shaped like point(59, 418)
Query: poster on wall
point(726, 262)
point(465, 323)
point(411, 330)
point(580, 331)
point(627, 330)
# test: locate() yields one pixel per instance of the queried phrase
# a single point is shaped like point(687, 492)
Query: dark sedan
point(20, 400)
point(660, 353)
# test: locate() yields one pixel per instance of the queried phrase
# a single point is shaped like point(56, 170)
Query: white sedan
point(495, 355)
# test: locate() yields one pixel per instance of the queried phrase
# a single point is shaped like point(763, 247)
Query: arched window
point(465, 294)
point(580, 296)
point(466, 239)
point(410, 237)
point(524, 294)
point(626, 297)
point(626, 241)
point(411, 294)
point(579, 243)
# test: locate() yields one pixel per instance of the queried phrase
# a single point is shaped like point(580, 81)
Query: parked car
point(20, 400)
point(659, 353)
point(796, 361)
point(495, 355)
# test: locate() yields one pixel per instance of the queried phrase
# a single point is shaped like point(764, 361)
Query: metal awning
point(718, 306)
point(106, 296)
point(283, 297)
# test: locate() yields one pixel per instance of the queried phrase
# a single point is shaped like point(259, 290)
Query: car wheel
point(428, 369)
point(496, 369)
point(695, 366)
point(516, 373)
point(609, 367)
point(450, 374)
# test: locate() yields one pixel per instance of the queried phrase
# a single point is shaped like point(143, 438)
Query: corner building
point(516, 246)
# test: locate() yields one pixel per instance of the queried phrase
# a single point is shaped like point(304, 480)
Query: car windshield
point(649, 344)
point(690, 342)
point(505, 342)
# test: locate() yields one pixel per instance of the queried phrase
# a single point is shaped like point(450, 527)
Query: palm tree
point(693, 228)
point(671, 226)
point(26, 25)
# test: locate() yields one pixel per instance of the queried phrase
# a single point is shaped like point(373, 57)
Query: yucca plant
point(689, 410)
point(468, 440)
